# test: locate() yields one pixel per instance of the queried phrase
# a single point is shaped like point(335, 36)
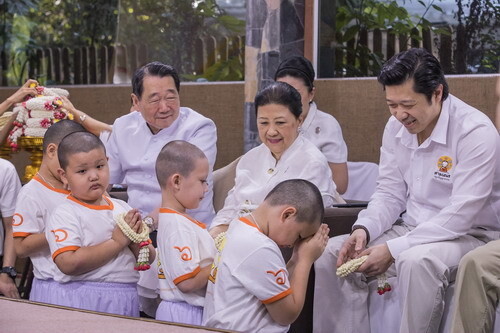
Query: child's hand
point(312, 247)
point(133, 219)
point(119, 237)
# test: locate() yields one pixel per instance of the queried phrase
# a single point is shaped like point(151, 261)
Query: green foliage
point(171, 28)
point(356, 16)
point(478, 35)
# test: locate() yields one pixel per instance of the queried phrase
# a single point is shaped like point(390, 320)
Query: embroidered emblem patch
point(444, 165)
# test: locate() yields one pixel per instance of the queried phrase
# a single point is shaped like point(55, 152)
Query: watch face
point(11, 271)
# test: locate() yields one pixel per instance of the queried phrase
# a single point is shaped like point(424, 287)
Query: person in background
point(10, 186)
point(283, 154)
point(477, 286)
point(16, 97)
point(35, 202)
point(9, 189)
point(319, 127)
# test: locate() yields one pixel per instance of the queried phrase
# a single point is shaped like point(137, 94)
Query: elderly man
point(138, 137)
point(439, 171)
point(136, 140)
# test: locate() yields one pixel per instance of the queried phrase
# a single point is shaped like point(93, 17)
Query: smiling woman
point(282, 155)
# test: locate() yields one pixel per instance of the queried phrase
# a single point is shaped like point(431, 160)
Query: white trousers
point(423, 273)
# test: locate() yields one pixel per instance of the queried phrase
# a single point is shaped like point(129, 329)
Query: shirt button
point(271, 170)
point(418, 178)
point(146, 158)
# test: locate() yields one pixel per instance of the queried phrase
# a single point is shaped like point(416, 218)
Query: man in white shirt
point(438, 197)
point(138, 137)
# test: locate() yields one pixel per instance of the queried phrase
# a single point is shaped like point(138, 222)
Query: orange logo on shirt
point(186, 256)
point(280, 276)
point(445, 163)
point(17, 220)
point(60, 235)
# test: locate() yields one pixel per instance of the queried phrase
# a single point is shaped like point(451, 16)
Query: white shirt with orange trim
point(184, 247)
point(132, 150)
point(249, 273)
point(9, 188)
point(257, 173)
point(35, 202)
point(324, 131)
point(75, 224)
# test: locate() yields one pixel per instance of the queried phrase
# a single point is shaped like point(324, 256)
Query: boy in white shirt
point(185, 248)
point(251, 288)
point(95, 258)
point(35, 202)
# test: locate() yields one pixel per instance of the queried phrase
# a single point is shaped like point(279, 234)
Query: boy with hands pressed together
point(251, 289)
point(185, 248)
point(95, 258)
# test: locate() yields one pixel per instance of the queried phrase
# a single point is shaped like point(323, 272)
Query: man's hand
point(8, 287)
point(378, 261)
point(352, 247)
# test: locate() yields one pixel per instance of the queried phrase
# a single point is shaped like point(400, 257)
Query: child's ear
point(52, 150)
point(62, 175)
point(287, 213)
point(176, 180)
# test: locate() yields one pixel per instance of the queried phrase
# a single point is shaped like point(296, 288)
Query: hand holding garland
point(26, 89)
point(92, 125)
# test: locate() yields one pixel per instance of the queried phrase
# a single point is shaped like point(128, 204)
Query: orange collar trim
point(171, 211)
point(109, 206)
point(250, 223)
point(50, 187)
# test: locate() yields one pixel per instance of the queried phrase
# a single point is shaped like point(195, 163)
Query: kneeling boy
point(251, 288)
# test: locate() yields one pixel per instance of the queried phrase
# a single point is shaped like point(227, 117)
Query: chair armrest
point(340, 220)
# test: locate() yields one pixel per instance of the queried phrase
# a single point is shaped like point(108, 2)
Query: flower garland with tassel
point(141, 238)
point(352, 265)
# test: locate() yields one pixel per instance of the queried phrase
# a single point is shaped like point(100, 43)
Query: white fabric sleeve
point(205, 138)
point(28, 216)
point(63, 231)
point(116, 175)
point(320, 174)
point(389, 199)
point(10, 185)
point(263, 273)
point(335, 149)
point(180, 255)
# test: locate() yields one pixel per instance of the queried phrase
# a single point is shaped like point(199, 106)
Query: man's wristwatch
point(149, 221)
point(10, 271)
